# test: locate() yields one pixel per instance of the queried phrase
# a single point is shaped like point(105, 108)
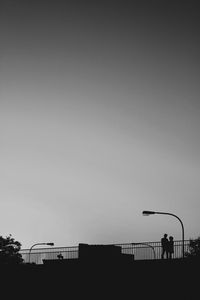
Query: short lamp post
point(154, 253)
point(48, 244)
point(149, 212)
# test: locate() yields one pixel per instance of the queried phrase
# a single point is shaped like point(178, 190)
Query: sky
point(99, 120)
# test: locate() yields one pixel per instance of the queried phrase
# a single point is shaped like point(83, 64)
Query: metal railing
point(38, 254)
point(139, 250)
point(151, 250)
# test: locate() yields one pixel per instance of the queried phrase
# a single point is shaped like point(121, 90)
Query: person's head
point(165, 235)
point(171, 238)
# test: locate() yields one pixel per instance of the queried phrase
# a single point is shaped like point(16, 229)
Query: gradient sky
point(99, 120)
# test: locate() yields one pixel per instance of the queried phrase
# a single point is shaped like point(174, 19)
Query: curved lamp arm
point(49, 244)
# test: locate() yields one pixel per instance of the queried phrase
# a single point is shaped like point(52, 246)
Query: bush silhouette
point(9, 251)
point(194, 249)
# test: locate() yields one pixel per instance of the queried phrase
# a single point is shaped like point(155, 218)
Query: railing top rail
point(52, 248)
point(74, 248)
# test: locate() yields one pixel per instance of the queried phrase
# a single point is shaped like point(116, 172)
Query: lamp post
point(154, 253)
point(49, 244)
point(149, 212)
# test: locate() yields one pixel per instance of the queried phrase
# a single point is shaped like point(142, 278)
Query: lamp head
point(50, 244)
point(148, 212)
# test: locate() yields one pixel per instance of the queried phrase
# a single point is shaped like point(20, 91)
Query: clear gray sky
point(99, 120)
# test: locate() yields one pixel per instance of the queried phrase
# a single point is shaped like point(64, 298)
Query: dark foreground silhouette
point(91, 277)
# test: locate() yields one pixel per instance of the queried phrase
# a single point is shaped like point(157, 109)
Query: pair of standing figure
point(167, 246)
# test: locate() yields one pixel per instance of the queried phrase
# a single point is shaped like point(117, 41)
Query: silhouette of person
point(164, 244)
point(171, 246)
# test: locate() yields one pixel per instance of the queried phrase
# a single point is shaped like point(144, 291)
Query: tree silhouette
point(194, 248)
point(9, 250)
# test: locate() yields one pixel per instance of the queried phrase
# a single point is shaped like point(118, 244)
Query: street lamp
point(149, 212)
point(154, 253)
point(48, 244)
